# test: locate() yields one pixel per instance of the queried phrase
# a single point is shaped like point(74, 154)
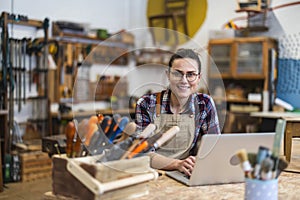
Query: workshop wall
point(115, 15)
point(112, 15)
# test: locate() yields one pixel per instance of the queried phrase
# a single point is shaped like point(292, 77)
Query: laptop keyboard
point(186, 176)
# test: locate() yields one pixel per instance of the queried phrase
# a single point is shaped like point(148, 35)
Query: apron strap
point(193, 111)
point(158, 103)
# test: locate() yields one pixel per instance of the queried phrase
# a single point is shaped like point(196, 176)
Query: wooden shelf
point(3, 112)
point(254, 9)
point(30, 23)
point(87, 113)
point(120, 39)
point(251, 10)
point(153, 56)
point(237, 100)
point(254, 29)
point(76, 38)
point(253, 6)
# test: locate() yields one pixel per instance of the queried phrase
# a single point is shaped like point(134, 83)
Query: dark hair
point(185, 53)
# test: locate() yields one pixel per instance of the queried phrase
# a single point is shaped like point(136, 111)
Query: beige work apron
point(180, 145)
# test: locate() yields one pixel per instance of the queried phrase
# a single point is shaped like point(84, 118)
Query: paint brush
point(245, 164)
point(266, 169)
point(260, 156)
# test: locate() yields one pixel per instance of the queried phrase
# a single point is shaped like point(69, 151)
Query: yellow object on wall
point(196, 14)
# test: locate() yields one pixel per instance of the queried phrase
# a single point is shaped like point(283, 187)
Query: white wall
point(288, 17)
point(112, 15)
point(128, 14)
point(115, 15)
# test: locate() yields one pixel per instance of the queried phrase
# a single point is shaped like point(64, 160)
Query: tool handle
point(70, 132)
point(100, 118)
point(147, 131)
point(129, 130)
point(91, 129)
point(130, 149)
point(167, 136)
point(138, 149)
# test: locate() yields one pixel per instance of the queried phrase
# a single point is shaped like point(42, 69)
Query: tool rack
point(77, 50)
point(14, 73)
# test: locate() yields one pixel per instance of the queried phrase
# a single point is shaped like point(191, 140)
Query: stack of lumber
point(35, 165)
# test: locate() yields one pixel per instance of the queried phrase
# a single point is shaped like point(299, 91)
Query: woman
point(180, 105)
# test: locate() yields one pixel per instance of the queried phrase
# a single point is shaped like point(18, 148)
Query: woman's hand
point(186, 166)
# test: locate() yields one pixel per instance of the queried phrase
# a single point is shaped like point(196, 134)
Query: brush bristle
point(242, 155)
point(282, 164)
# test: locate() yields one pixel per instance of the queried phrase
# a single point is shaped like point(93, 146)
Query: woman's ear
point(199, 77)
point(168, 74)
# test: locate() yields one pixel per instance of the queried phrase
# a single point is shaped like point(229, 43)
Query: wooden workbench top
point(167, 188)
point(275, 115)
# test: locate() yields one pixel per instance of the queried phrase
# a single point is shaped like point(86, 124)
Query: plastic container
point(261, 190)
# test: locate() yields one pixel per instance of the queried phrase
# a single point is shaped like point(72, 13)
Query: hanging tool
point(12, 54)
point(9, 55)
point(24, 41)
point(19, 66)
point(46, 49)
point(3, 70)
point(29, 53)
point(15, 67)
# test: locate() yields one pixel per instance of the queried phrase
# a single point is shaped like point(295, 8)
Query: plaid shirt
point(206, 118)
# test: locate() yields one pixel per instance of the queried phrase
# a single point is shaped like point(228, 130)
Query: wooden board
point(35, 165)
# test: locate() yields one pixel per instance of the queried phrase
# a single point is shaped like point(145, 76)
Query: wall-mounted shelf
point(152, 56)
point(252, 5)
point(256, 11)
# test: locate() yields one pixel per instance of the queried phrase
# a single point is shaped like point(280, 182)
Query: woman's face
point(179, 83)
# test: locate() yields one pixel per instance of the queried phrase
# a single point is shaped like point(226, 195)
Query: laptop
point(215, 160)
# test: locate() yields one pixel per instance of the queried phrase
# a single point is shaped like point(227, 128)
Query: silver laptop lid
point(213, 164)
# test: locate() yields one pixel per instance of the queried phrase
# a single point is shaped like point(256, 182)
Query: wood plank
point(36, 155)
point(34, 176)
point(37, 163)
point(36, 170)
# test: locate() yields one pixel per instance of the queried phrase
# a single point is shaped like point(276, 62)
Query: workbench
point(167, 188)
point(292, 128)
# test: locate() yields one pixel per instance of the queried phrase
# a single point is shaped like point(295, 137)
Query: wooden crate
point(84, 178)
point(35, 165)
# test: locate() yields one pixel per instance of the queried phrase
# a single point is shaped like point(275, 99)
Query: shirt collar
point(165, 103)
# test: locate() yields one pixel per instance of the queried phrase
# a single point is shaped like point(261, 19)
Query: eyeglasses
point(190, 76)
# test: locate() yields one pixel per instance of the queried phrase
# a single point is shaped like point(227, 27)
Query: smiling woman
point(179, 105)
point(195, 16)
